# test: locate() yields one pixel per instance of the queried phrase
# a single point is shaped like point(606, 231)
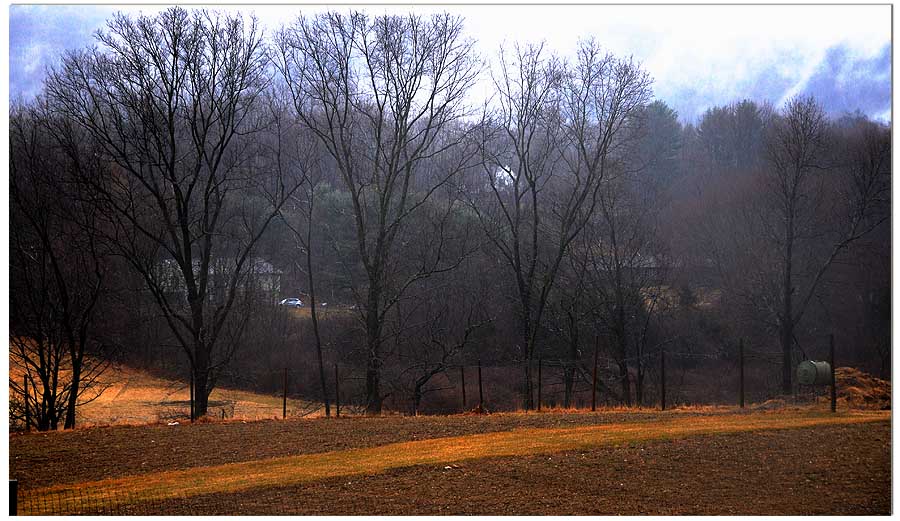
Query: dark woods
point(175, 182)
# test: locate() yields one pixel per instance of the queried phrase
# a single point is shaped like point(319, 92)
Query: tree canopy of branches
point(546, 156)
point(805, 218)
point(382, 95)
point(58, 266)
point(173, 101)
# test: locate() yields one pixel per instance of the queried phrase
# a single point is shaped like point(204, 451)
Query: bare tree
point(798, 183)
point(172, 100)
point(382, 95)
point(443, 325)
point(297, 155)
point(58, 266)
point(557, 130)
point(626, 271)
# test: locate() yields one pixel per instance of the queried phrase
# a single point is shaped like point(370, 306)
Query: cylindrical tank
point(812, 372)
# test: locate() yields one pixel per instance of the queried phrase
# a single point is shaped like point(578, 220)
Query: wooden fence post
point(480, 389)
point(337, 393)
point(27, 408)
point(540, 365)
point(284, 396)
point(662, 377)
point(594, 380)
point(741, 358)
point(833, 381)
point(462, 377)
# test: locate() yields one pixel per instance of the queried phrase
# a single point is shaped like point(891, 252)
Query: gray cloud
point(38, 35)
point(844, 83)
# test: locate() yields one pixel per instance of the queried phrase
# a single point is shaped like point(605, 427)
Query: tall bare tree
point(821, 204)
point(173, 101)
point(297, 155)
point(58, 265)
point(557, 130)
point(382, 95)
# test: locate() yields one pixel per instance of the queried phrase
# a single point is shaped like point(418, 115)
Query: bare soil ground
point(44, 459)
point(835, 470)
point(826, 469)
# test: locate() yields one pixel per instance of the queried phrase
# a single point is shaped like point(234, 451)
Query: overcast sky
point(699, 56)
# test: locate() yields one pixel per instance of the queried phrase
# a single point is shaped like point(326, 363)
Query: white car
point(291, 302)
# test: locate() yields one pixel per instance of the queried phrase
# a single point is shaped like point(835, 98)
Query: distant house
point(258, 278)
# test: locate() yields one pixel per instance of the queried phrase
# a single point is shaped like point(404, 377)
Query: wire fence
point(496, 385)
point(168, 502)
point(690, 378)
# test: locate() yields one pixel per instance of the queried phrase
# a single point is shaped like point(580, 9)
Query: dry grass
point(133, 397)
point(861, 390)
point(292, 470)
point(323, 313)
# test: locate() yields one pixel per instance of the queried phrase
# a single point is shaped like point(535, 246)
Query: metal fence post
point(594, 380)
point(13, 497)
point(480, 389)
point(741, 357)
point(662, 377)
point(462, 377)
point(540, 364)
point(284, 396)
point(337, 393)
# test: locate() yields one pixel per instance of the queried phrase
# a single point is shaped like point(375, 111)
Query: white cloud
point(713, 53)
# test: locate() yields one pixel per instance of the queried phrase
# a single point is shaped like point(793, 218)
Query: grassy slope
point(133, 397)
point(290, 470)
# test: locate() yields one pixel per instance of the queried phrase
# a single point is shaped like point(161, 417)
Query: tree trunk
point(626, 382)
point(373, 365)
point(417, 399)
point(639, 384)
point(528, 337)
point(529, 387)
point(787, 312)
point(73, 392)
point(201, 381)
point(623, 356)
point(569, 377)
point(787, 334)
point(314, 314)
point(569, 373)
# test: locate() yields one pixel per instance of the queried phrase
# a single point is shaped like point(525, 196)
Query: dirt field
point(743, 474)
point(825, 468)
point(42, 459)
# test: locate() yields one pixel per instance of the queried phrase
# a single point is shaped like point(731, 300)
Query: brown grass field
point(133, 397)
point(713, 460)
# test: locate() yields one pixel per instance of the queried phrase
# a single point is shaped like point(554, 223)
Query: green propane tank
point(812, 372)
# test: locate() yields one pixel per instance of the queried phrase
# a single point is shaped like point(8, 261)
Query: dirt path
point(295, 470)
